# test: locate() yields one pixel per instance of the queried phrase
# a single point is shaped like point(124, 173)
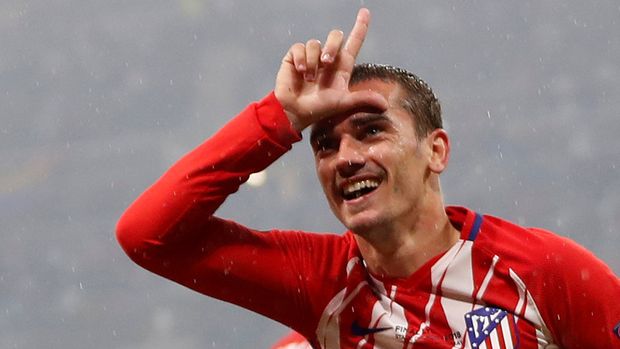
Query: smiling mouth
point(357, 189)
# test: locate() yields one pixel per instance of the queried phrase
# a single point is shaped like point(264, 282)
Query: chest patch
point(491, 328)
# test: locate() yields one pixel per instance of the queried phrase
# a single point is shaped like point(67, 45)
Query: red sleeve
point(170, 229)
point(292, 340)
point(578, 296)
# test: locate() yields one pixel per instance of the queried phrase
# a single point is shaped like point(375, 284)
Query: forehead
point(391, 91)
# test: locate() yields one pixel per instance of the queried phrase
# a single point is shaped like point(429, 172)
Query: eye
point(372, 130)
point(323, 144)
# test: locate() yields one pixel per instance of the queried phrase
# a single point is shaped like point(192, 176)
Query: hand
point(313, 82)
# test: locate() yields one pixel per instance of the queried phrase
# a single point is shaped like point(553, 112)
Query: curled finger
point(313, 51)
point(297, 53)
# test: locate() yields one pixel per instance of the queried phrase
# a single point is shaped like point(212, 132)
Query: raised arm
point(313, 81)
point(171, 229)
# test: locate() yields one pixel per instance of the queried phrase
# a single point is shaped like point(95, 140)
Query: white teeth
point(353, 187)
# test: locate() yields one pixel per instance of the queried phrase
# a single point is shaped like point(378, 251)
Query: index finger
point(358, 33)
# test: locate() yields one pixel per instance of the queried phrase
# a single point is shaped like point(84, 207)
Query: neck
point(398, 250)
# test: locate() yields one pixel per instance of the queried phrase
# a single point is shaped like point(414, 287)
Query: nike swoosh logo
point(358, 330)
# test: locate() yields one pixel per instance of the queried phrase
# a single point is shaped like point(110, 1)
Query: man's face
point(372, 167)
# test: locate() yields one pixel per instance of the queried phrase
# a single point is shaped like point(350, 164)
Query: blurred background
point(98, 98)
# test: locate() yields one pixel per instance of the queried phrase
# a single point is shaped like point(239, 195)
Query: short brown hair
point(419, 100)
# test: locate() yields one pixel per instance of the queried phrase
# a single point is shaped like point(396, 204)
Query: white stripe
point(322, 329)
point(351, 263)
point(487, 279)
point(507, 332)
point(543, 335)
point(377, 285)
point(494, 339)
point(542, 342)
point(466, 343)
point(521, 303)
point(437, 271)
point(328, 330)
point(457, 288)
point(393, 293)
point(387, 314)
point(418, 334)
point(531, 311)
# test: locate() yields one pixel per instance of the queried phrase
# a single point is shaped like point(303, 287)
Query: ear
point(439, 144)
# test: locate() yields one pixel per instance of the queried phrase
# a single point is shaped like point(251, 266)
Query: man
point(409, 272)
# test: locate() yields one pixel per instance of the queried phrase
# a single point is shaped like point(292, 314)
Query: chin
point(363, 225)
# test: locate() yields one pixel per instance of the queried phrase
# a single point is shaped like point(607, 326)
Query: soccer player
point(409, 272)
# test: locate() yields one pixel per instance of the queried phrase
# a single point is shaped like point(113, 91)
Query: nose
point(350, 157)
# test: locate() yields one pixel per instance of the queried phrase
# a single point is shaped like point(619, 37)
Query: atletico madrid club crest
point(491, 328)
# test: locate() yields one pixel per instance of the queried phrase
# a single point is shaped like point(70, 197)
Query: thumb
point(364, 99)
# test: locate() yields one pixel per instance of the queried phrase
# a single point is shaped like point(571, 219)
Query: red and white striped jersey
point(475, 295)
point(499, 286)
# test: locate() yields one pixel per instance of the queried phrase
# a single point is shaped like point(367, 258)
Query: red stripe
point(500, 335)
point(513, 330)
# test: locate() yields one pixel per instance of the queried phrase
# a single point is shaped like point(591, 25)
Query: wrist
point(275, 120)
point(295, 122)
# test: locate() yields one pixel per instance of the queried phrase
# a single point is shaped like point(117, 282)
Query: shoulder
point(562, 287)
point(534, 245)
point(527, 251)
point(549, 265)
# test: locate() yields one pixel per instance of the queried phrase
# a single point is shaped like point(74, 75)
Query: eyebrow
point(357, 121)
point(315, 133)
